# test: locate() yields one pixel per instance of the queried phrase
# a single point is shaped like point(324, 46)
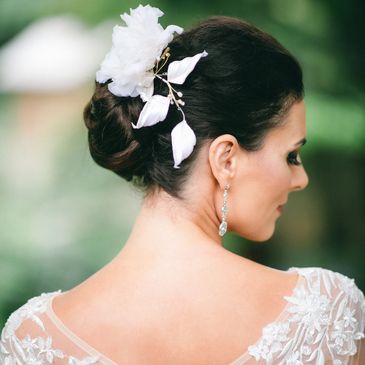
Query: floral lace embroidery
point(322, 320)
point(33, 350)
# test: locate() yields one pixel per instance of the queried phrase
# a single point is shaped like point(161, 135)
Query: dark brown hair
point(244, 87)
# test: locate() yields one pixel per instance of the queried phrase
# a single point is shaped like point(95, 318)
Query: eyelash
point(292, 158)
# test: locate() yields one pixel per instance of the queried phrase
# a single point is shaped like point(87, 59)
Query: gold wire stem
point(171, 94)
point(165, 57)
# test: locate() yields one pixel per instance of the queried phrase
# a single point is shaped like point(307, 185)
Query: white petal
point(154, 111)
point(168, 34)
point(135, 49)
point(145, 90)
point(178, 71)
point(101, 76)
point(145, 93)
point(183, 141)
point(121, 90)
point(174, 29)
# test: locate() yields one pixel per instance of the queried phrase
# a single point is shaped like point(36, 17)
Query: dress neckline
point(106, 360)
point(72, 335)
point(246, 356)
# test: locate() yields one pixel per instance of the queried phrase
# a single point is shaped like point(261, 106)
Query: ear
point(223, 158)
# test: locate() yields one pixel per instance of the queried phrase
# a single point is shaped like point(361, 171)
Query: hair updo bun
point(111, 138)
point(244, 87)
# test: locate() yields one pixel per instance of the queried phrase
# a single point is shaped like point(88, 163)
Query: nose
point(300, 180)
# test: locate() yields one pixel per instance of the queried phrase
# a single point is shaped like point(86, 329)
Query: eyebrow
point(302, 142)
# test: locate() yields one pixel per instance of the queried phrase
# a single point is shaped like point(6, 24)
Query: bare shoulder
point(265, 279)
point(233, 276)
point(240, 293)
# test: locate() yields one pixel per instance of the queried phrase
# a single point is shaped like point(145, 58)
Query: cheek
point(269, 185)
point(275, 182)
point(256, 199)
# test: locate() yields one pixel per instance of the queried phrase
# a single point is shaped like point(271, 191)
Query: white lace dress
point(322, 323)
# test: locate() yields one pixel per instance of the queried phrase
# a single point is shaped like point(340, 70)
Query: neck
point(167, 228)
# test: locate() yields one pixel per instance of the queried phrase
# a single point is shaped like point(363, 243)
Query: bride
point(209, 123)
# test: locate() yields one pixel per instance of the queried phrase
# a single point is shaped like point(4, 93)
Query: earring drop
point(223, 225)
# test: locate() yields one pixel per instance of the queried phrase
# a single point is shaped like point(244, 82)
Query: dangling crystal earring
point(223, 225)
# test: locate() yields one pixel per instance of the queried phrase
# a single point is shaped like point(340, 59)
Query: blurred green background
point(63, 217)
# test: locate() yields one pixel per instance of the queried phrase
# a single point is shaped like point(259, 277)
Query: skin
point(261, 181)
point(173, 273)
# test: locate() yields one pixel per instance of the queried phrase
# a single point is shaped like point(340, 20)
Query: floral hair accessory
point(139, 52)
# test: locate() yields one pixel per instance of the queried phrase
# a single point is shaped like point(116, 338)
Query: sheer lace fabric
point(322, 323)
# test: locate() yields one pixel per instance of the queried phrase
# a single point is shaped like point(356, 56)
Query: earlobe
point(223, 158)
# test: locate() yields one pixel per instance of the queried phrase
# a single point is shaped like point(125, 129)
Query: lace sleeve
point(323, 324)
point(359, 358)
point(345, 340)
point(23, 340)
point(30, 338)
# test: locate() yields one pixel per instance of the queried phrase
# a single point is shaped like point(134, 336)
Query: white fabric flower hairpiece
point(135, 60)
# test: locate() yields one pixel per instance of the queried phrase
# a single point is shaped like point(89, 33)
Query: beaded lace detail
point(34, 350)
point(323, 322)
point(325, 318)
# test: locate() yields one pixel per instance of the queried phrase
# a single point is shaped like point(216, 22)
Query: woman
point(209, 123)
